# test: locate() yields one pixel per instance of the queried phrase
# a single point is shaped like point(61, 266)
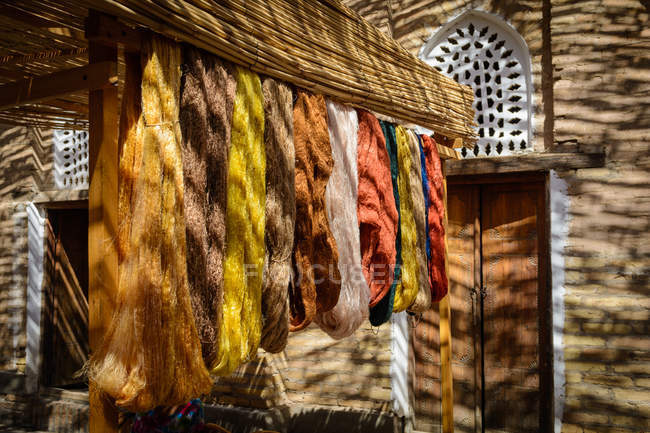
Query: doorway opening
point(65, 297)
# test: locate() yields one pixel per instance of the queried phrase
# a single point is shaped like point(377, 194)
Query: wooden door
point(512, 224)
point(496, 237)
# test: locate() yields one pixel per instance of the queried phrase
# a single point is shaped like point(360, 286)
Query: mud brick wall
point(602, 98)
point(26, 167)
point(316, 370)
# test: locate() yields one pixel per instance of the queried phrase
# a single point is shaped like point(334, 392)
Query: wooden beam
point(446, 376)
point(91, 77)
point(102, 226)
point(447, 152)
point(528, 162)
point(108, 30)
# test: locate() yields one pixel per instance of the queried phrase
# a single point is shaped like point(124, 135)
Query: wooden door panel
point(510, 224)
point(462, 231)
point(462, 237)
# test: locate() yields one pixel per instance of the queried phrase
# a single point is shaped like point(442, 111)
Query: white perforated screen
point(480, 53)
point(70, 159)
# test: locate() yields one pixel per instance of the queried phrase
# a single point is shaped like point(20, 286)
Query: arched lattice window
point(70, 159)
point(482, 51)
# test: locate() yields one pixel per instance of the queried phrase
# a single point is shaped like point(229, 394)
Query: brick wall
point(26, 167)
point(602, 98)
point(316, 370)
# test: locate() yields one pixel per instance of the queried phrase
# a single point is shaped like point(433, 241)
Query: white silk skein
point(341, 196)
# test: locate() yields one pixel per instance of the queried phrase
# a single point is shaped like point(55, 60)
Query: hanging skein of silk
point(318, 281)
point(423, 299)
point(241, 325)
point(151, 354)
point(280, 213)
point(341, 200)
point(381, 312)
point(437, 272)
point(408, 289)
point(376, 209)
point(425, 193)
point(207, 97)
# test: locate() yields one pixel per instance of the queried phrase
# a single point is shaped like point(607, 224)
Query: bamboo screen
point(319, 45)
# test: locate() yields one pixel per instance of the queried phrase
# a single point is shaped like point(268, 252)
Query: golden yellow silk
point(240, 328)
point(406, 292)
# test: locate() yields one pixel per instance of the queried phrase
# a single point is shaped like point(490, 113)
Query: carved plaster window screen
point(477, 50)
point(70, 159)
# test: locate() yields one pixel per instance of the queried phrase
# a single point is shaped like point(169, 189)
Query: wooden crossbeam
point(31, 90)
point(447, 152)
point(526, 162)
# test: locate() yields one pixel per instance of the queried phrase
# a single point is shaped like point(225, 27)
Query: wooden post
point(102, 226)
point(446, 379)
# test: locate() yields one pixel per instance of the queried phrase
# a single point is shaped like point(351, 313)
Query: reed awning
point(321, 45)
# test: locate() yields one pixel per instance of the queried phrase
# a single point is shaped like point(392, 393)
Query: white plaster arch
point(484, 51)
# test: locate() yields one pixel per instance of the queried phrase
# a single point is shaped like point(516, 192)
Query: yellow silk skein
point(241, 324)
point(406, 293)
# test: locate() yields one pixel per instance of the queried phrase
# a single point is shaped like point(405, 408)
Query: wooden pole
point(102, 226)
point(444, 306)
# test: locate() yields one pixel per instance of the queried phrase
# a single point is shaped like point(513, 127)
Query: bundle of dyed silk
point(240, 328)
point(425, 193)
point(280, 213)
point(188, 418)
point(207, 95)
point(436, 214)
point(315, 259)
point(408, 289)
point(151, 355)
point(381, 312)
point(423, 300)
point(376, 209)
point(341, 201)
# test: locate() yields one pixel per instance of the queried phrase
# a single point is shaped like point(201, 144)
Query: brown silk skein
point(207, 96)
point(317, 280)
point(280, 213)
